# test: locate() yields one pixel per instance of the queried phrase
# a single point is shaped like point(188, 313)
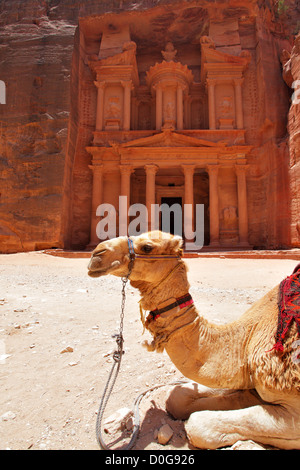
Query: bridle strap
point(181, 302)
point(133, 255)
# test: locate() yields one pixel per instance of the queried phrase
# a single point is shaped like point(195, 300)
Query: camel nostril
point(94, 264)
point(115, 264)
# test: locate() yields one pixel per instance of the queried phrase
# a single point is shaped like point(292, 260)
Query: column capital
point(151, 168)
point(181, 86)
point(187, 168)
point(238, 81)
point(212, 169)
point(127, 84)
point(241, 169)
point(211, 81)
point(101, 84)
point(157, 86)
point(126, 169)
point(96, 167)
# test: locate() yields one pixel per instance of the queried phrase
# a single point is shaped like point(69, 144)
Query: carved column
point(238, 103)
point(214, 205)
point(189, 196)
point(126, 171)
point(187, 112)
point(242, 203)
point(134, 112)
point(100, 103)
point(158, 90)
point(150, 190)
point(179, 108)
point(127, 104)
point(211, 103)
point(96, 200)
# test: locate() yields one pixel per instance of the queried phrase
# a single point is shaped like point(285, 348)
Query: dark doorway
point(175, 224)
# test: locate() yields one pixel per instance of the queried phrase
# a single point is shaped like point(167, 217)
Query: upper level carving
point(168, 96)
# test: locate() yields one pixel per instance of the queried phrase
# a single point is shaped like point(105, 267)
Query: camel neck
point(199, 350)
point(193, 344)
point(172, 284)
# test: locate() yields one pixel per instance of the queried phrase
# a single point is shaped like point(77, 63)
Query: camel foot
point(220, 418)
point(183, 400)
point(266, 424)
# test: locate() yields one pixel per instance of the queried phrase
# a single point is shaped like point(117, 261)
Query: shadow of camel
point(153, 419)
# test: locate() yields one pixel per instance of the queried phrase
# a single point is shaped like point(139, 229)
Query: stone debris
point(246, 445)
point(7, 416)
point(67, 349)
point(164, 434)
point(121, 420)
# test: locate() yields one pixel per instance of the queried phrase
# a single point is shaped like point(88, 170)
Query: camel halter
point(180, 302)
point(133, 255)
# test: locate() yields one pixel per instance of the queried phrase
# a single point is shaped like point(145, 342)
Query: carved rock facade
point(177, 102)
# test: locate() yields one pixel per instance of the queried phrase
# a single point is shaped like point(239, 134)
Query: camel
point(240, 388)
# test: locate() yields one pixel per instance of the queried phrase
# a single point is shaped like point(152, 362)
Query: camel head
point(112, 256)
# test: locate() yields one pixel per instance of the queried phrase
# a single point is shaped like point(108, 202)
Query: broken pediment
point(215, 62)
point(168, 138)
point(120, 66)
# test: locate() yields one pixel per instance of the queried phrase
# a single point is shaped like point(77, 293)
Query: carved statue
point(208, 42)
point(169, 53)
point(113, 109)
point(226, 105)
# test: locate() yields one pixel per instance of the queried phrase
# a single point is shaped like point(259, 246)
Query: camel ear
point(177, 244)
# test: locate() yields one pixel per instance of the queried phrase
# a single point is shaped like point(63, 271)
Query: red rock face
point(50, 114)
point(292, 71)
point(35, 66)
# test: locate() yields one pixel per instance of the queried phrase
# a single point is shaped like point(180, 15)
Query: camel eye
point(147, 248)
point(99, 253)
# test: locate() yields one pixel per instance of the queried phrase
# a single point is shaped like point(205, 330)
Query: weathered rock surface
point(164, 434)
point(291, 73)
point(121, 420)
point(45, 198)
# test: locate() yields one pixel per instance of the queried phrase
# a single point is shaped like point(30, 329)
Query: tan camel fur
point(239, 390)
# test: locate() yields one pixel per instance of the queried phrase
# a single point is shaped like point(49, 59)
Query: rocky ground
point(56, 344)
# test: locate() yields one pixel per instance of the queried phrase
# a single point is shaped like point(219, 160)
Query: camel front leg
point(183, 400)
point(267, 424)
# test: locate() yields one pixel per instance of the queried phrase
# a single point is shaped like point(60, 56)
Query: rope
point(136, 427)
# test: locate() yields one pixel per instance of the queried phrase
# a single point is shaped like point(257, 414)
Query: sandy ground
point(49, 399)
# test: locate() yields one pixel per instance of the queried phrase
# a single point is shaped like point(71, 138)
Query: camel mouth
point(98, 273)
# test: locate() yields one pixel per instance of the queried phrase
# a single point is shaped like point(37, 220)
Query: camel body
point(241, 388)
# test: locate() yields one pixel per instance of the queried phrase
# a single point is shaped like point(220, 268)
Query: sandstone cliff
point(44, 192)
point(291, 73)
